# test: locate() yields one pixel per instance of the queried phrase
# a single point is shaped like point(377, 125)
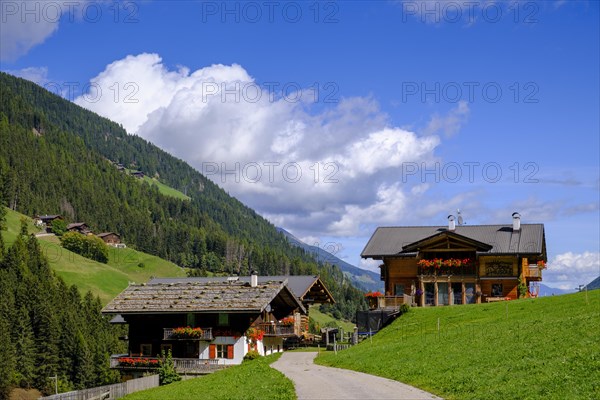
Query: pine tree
point(7, 352)
point(24, 346)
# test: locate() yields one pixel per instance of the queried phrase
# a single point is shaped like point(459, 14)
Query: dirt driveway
point(316, 382)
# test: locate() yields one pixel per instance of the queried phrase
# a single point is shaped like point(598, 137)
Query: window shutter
point(230, 351)
point(212, 351)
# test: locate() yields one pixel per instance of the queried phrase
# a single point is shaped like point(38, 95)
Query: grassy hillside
point(166, 190)
point(324, 319)
point(104, 280)
point(251, 380)
point(528, 349)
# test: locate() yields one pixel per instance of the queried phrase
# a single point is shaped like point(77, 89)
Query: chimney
point(516, 221)
point(253, 279)
point(451, 223)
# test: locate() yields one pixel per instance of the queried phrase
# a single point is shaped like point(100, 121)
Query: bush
point(59, 227)
point(252, 355)
point(403, 309)
point(87, 246)
point(166, 372)
point(142, 265)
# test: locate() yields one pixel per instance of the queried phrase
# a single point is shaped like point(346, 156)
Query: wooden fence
point(115, 391)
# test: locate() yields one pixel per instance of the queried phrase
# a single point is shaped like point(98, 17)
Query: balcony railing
point(393, 302)
point(532, 271)
point(149, 363)
point(206, 335)
point(277, 329)
point(443, 271)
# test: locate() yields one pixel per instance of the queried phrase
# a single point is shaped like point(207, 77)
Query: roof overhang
point(446, 240)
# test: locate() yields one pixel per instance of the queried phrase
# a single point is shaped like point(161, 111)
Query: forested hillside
point(47, 328)
point(55, 157)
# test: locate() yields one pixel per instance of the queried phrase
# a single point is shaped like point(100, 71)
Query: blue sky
point(333, 118)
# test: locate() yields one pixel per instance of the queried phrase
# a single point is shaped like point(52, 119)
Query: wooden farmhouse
point(110, 238)
point(80, 227)
point(445, 265)
point(309, 289)
point(46, 221)
point(206, 324)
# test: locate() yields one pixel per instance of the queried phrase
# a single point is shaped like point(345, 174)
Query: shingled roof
point(300, 285)
point(201, 297)
point(390, 241)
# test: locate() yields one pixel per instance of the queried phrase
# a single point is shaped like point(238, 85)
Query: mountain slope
point(58, 158)
point(364, 279)
point(595, 284)
point(103, 280)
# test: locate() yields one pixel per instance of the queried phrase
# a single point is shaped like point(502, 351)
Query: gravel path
point(316, 382)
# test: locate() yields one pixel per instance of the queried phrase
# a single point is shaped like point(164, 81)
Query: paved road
point(315, 382)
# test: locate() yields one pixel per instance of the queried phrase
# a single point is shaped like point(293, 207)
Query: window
point(470, 293)
point(497, 290)
point(442, 293)
point(457, 293)
point(398, 289)
point(223, 319)
point(146, 350)
point(221, 351)
point(429, 294)
point(190, 320)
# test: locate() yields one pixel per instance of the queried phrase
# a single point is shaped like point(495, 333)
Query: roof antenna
point(460, 218)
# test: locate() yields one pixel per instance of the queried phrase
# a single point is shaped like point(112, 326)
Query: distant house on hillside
point(309, 289)
point(46, 221)
point(80, 227)
point(206, 325)
point(446, 265)
point(110, 238)
point(138, 174)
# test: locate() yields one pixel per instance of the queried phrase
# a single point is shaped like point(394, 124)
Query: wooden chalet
point(206, 325)
point(445, 265)
point(110, 238)
point(46, 221)
point(80, 227)
point(309, 289)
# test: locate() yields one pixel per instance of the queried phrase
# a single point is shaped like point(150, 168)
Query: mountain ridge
point(59, 158)
point(365, 279)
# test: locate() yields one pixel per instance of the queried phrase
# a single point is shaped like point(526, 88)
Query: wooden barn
point(458, 264)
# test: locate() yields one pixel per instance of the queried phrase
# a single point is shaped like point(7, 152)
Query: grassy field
point(323, 319)
point(104, 280)
point(546, 348)
point(251, 380)
point(166, 190)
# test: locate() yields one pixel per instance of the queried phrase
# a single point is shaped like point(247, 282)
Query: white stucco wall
point(240, 348)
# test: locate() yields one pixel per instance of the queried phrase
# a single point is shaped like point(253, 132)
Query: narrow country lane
point(316, 382)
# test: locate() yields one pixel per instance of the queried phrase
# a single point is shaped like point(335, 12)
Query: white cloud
point(569, 270)
point(323, 173)
point(370, 264)
point(38, 75)
point(26, 24)
point(450, 123)
point(20, 34)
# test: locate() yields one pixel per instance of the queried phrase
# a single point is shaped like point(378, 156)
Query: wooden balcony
point(532, 272)
point(389, 302)
point(277, 329)
point(206, 335)
point(182, 365)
